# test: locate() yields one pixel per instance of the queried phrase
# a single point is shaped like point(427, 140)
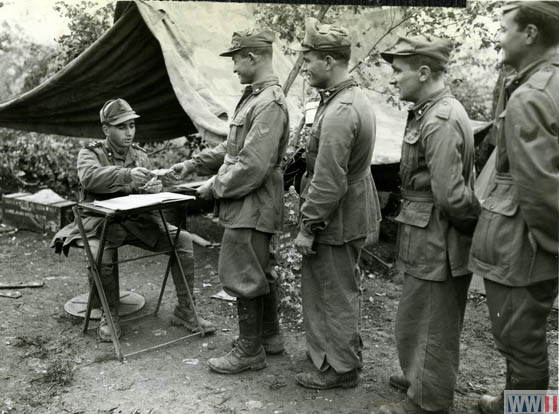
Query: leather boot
point(111, 293)
point(399, 382)
point(104, 332)
point(495, 404)
point(272, 339)
point(248, 353)
point(184, 315)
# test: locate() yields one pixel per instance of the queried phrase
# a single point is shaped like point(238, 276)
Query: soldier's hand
point(139, 175)
point(183, 169)
point(205, 190)
point(304, 243)
point(152, 186)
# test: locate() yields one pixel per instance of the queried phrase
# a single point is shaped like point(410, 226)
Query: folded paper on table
point(132, 201)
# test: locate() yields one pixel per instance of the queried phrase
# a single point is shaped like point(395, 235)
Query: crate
point(23, 211)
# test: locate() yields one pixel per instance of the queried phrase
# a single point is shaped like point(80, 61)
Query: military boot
point(105, 331)
point(111, 293)
point(272, 339)
point(184, 314)
point(492, 404)
point(248, 353)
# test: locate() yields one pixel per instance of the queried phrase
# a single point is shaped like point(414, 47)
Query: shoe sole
point(317, 387)
point(256, 367)
point(398, 386)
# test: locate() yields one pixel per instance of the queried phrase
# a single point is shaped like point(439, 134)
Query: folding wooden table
point(94, 263)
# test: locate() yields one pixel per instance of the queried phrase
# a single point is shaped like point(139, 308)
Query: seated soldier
point(115, 167)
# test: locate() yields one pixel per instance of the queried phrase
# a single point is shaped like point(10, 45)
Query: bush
point(288, 261)
point(31, 161)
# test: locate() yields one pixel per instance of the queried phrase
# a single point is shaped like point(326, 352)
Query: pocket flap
point(238, 121)
point(411, 137)
point(507, 206)
point(415, 213)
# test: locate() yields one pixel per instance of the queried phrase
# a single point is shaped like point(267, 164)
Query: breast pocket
point(235, 140)
point(410, 149)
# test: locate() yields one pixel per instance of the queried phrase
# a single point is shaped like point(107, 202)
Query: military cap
point(408, 46)
point(547, 8)
point(324, 37)
point(252, 37)
point(116, 111)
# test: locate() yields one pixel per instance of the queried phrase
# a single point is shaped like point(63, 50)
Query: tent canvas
point(163, 57)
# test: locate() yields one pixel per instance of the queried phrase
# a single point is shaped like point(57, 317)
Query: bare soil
point(47, 365)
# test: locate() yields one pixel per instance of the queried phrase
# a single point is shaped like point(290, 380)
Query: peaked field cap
point(320, 36)
point(116, 111)
point(436, 48)
point(548, 8)
point(251, 37)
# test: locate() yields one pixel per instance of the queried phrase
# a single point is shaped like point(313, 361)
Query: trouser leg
point(428, 326)
point(106, 274)
point(519, 324)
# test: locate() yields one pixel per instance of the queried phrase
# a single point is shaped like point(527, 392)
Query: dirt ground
point(47, 365)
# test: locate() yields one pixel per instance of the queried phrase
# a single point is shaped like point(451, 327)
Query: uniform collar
point(327, 94)
point(257, 87)
point(420, 108)
point(514, 81)
point(114, 151)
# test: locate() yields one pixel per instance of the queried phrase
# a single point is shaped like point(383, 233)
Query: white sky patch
point(39, 21)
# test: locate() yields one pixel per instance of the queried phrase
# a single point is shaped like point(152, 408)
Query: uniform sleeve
point(531, 127)
point(208, 161)
point(97, 178)
point(329, 181)
point(246, 172)
point(444, 146)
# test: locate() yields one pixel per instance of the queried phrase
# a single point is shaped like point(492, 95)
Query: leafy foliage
point(30, 162)
point(87, 21)
point(22, 63)
point(288, 260)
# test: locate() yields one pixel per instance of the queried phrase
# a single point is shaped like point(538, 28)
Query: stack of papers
point(132, 201)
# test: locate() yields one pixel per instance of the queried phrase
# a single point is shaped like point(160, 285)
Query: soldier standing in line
point(248, 188)
point(437, 217)
point(515, 243)
point(113, 168)
point(339, 210)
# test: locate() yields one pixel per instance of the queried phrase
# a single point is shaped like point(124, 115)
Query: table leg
point(94, 273)
point(174, 256)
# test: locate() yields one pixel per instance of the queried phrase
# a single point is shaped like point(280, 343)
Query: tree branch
point(299, 62)
point(390, 30)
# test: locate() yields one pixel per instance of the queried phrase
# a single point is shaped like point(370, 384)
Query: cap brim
point(389, 56)
point(123, 118)
point(230, 53)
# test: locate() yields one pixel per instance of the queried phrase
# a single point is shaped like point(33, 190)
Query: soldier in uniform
point(437, 217)
point(339, 209)
point(248, 187)
point(515, 243)
point(115, 167)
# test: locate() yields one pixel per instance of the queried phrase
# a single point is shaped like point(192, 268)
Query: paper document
point(132, 201)
point(192, 185)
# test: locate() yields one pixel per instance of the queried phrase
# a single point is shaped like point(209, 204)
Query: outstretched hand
point(139, 176)
point(182, 169)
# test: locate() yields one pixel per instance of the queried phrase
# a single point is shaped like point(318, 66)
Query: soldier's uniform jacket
point(339, 201)
point(439, 209)
point(104, 173)
point(249, 180)
point(516, 240)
